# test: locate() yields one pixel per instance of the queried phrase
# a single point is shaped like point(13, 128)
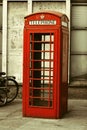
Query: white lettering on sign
point(42, 22)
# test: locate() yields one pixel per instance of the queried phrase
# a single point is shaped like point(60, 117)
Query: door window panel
point(41, 69)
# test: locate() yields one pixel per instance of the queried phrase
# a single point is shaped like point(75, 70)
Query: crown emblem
point(42, 16)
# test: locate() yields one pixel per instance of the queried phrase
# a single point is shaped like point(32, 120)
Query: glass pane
point(79, 16)
point(79, 66)
point(45, 55)
point(40, 102)
point(79, 41)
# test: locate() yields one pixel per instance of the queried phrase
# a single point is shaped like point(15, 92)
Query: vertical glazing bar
point(49, 71)
point(51, 67)
point(43, 63)
point(32, 64)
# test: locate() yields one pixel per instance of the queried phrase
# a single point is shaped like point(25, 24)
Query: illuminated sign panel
point(64, 24)
point(42, 22)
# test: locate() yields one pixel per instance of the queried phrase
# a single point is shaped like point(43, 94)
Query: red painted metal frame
point(60, 90)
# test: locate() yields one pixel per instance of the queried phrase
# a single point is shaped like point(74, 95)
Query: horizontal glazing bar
point(51, 42)
point(33, 97)
point(41, 88)
point(41, 51)
point(50, 78)
point(42, 69)
point(44, 60)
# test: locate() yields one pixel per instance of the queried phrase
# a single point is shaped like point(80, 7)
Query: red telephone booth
point(45, 65)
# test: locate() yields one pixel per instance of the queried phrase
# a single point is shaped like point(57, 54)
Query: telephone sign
point(42, 22)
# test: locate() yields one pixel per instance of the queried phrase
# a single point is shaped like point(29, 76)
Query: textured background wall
point(54, 6)
point(0, 37)
point(16, 13)
point(0, 15)
point(0, 50)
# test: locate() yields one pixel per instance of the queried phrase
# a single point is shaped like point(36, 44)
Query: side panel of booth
point(25, 72)
point(64, 71)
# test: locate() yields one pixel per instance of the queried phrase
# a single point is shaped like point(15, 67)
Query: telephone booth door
point(41, 73)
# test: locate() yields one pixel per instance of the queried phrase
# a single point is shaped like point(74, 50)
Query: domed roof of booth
point(59, 14)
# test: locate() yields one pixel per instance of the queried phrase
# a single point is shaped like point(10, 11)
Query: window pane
point(79, 41)
point(79, 66)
